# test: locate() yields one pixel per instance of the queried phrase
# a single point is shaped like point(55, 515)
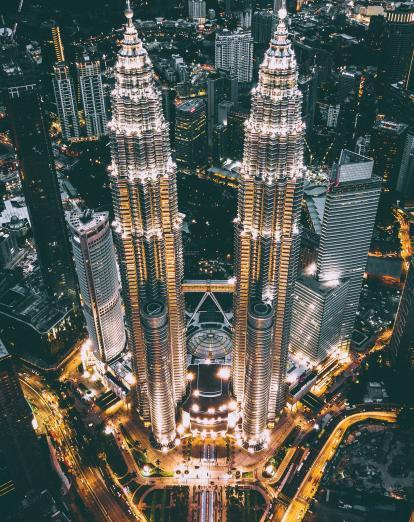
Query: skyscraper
point(221, 86)
point(147, 226)
point(234, 53)
point(95, 263)
point(191, 136)
point(308, 86)
point(66, 103)
point(327, 294)
point(38, 176)
point(401, 347)
point(236, 120)
point(241, 11)
point(387, 142)
point(317, 317)
point(268, 221)
point(348, 222)
point(93, 102)
point(159, 372)
point(197, 10)
point(350, 83)
point(262, 26)
point(405, 183)
point(398, 43)
point(19, 450)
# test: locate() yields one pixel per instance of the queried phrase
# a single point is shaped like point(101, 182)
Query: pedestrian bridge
point(215, 286)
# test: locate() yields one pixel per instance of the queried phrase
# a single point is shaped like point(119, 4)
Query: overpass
point(214, 286)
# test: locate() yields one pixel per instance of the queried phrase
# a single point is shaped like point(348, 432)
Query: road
point(405, 238)
point(300, 503)
point(97, 498)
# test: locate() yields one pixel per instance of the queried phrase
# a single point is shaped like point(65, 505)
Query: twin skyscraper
point(147, 232)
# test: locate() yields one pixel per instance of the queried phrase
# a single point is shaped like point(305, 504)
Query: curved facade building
point(159, 375)
point(269, 207)
point(147, 226)
point(257, 380)
point(94, 253)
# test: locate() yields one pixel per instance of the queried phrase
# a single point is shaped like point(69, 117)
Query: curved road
point(300, 503)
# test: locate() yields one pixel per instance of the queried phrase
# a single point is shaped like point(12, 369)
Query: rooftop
point(348, 157)
point(87, 221)
point(352, 167)
point(323, 288)
point(316, 207)
point(390, 126)
point(31, 306)
point(191, 105)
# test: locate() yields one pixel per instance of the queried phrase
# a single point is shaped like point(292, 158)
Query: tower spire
point(129, 13)
point(268, 234)
point(147, 231)
point(279, 5)
point(132, 54)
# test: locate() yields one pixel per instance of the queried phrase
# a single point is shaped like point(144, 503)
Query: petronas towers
point(148, 236)
point(268, 235)
point(148, 225)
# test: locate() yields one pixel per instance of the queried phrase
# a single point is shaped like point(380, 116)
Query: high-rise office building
point(38, 176)
point(95, 263)
point(308, 86)
point(191, 137)
point(405, 183)
point(20, 456)
point(241, 11)
point(398, 43)
point(262, 26)
point(269, 207)
point(350, 83)
point(221, 86)
point(387, 142)
point(327, 293)
point(236, 120)
point(197, 10)
point(341, 222)
point(401, 347)
point(348, 222)
point(93, 102)
point(317, 317)
point(147, 226)
point(65, 96)
point(234, 53)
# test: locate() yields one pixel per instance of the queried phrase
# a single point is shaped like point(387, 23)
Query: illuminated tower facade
point(90, 83)
point(268, 223)
point(65, 96)
point(147, 227)
point(94, 253)
point(57, 44)
point(258, 355)
point(159, 372)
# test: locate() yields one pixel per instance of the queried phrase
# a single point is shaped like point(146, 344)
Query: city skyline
point(206, 261)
